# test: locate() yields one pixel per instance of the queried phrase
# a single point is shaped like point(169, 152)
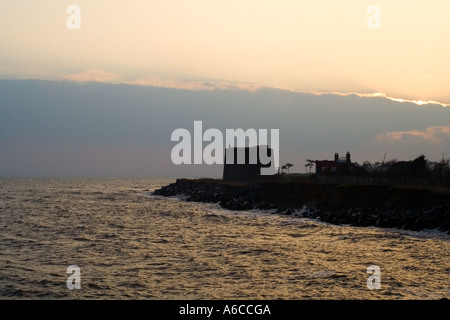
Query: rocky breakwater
point(229, 196)
point(412, 208)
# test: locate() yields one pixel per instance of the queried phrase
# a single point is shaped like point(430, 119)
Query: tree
point(288, 165)
point(419, 166)
point(368, 166)
point(310, 164)
point(283, 168)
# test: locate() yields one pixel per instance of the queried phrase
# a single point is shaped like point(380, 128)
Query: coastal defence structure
point(248, 170)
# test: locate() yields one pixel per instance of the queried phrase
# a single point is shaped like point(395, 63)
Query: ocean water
point(130, 244)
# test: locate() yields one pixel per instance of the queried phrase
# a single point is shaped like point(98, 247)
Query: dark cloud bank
point(65, 128)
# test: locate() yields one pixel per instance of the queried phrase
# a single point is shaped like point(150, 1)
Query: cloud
point(430, 134)
point(379, 95)
point(97, 75)
point(94, 75)
point(194, 85)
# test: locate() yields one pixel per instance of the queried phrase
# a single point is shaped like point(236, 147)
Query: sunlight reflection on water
point(132, 245)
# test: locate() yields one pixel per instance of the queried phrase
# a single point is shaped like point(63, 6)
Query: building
point(247, 170)
point(338, 166)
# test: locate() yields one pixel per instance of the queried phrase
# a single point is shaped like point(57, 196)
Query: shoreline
point(403, 207)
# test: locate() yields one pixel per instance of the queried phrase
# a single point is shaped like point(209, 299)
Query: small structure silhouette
point(338, 166)
point(250, 168)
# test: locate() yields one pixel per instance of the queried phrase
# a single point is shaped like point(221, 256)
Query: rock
point(289, 212)
point(323, 198)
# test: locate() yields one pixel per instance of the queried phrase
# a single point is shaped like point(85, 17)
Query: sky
point(370, 77)
point(320, 46)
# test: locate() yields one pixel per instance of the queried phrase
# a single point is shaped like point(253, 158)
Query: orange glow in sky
point(324, 46)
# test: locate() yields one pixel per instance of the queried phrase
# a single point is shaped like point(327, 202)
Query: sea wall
point(405, 207)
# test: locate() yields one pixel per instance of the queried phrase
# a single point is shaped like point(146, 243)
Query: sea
point(110, 238)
